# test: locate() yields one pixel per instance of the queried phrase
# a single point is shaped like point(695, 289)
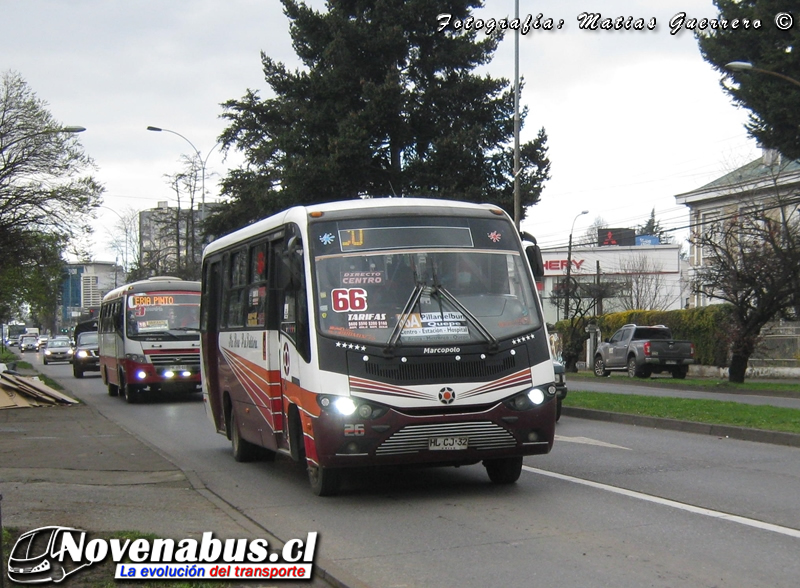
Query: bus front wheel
point(324, 481)
point(504, 470)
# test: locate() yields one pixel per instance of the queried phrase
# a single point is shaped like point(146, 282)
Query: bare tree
point(170, 240)
point(589, 238)
point(643, 286)
point(751, 259)
point(123, 238)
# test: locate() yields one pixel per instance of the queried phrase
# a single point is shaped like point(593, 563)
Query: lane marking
point(788, 531)
point(589, 441)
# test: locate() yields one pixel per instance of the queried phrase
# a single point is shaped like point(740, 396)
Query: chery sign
point(559, 265)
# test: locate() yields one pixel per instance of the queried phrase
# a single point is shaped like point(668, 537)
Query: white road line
point(672, 503)
point(589, 441)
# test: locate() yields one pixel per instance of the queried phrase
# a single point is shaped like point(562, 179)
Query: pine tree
point(383, 105)
point(775, 118)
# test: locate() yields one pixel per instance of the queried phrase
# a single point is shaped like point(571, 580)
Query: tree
point(589, 238)
point(653, 228)
point(643, 286)
point(384, 105)
point(46, 191)
point(752, 261)
point(775, 118)
point(123, 239)
point(585, 297)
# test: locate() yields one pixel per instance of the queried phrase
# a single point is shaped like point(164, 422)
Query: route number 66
point(349, 299)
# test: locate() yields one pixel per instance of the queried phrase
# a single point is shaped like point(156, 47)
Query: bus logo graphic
point(39, 556)
point(447, 395)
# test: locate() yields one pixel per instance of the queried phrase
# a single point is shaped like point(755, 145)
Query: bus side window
point(257, 291)
point(236, 278)
point(294, 306)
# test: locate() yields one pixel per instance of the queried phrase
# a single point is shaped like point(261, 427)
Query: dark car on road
point(86, 357)
point(57, 349)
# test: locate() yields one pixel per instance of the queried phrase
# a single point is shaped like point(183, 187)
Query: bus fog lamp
point(168, 374)
point(533, 436)
point(187, 374)
point(141, 374)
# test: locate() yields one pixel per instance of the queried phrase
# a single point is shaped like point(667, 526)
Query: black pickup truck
point(642, 351)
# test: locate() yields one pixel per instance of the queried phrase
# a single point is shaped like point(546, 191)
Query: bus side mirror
point(534, 255)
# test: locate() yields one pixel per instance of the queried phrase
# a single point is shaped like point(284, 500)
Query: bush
point(706, 327)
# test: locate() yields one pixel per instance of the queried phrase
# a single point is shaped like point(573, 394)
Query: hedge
point(706, 327)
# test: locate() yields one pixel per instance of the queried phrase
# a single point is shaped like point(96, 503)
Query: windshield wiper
point(471, 318)
point(412, 301)
point(445, 294)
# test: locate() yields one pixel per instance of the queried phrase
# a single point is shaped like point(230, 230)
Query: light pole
point(747, 66)
point(517, 196)
point(569, 263)
point(202, 166)
point(70, 130)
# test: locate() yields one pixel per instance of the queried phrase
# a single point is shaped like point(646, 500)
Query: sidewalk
point(71, 466)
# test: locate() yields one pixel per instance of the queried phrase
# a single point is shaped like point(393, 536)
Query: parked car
point(561, 385)
point(86, 357)
point(57, 349)
point(642, 351)
point(27, 343)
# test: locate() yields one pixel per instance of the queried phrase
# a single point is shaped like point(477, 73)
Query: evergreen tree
point(653, 228)
point(383, 105)
point(775, 118)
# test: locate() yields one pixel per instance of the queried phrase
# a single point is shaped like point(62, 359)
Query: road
point(612, 505)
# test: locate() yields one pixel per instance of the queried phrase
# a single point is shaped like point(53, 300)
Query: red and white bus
point(378, 332)
point(149, 339)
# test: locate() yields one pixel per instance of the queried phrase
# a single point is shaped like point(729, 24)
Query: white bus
point(378, 332)
point(149, 340)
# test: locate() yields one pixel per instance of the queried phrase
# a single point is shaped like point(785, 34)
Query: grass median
point(717, 412)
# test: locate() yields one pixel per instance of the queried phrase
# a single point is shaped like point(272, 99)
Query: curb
point(741, 433)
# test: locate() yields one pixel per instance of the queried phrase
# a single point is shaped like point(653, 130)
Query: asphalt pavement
point(71, 466)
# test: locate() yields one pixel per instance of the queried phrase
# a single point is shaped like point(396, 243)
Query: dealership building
point(646, 275)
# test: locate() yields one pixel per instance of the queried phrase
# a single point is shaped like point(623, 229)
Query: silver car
point(57, 350)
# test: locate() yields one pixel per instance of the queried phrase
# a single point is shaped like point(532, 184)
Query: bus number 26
point(349, 299)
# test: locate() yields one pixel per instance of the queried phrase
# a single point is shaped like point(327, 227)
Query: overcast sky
point(633, 117)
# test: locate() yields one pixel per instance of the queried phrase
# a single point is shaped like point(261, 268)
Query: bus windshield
point(158, 313)
point(388, 293)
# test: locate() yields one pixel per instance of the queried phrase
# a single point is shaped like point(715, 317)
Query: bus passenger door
point(293, 341)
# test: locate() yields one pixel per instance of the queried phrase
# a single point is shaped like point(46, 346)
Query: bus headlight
point(136, 357)
point(536, 396)
point(349, 405)
point(344, 405)
point(530, 399)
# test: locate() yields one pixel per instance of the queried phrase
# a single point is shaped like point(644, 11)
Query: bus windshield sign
point(374, 238)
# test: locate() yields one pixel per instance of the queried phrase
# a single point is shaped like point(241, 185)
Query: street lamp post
point(202, 166)
point(517, 195)
point(747, 66)
point(569, 263)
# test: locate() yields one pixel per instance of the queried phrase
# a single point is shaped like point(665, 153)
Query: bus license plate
point(447, 443)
